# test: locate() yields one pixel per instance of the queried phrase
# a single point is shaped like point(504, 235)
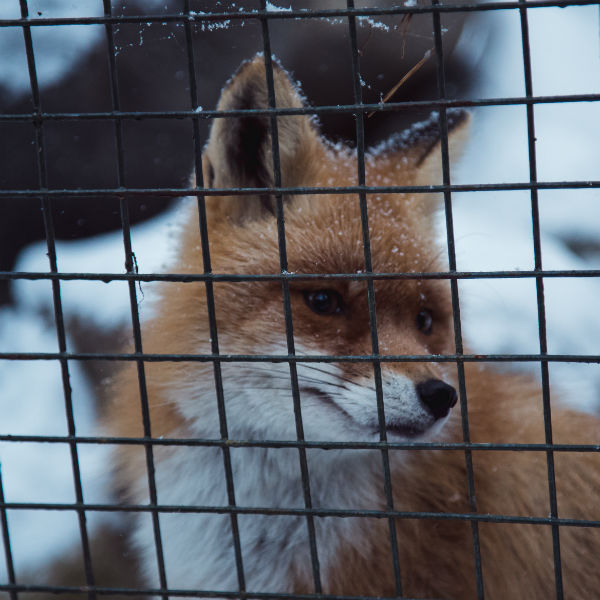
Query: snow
point(32, 403)
point(57, 48)
point(492, 230)
point(373, 23)
point(274, 8)
point(104, 304)
point(32, 400)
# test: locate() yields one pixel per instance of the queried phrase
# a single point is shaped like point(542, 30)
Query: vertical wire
point(443, 124)
point(539, 283)
point(360, 147)
point(47, 206)
point(10, 566)
point(287, 309)
point(210, 304)
point(130, 268)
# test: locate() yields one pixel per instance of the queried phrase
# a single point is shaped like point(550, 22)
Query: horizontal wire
point(296, 512)
point(306, 110)
point(316, 358)
point(290, 14)
point(238, 278)
point(189, 593)
point(317, 445)
point(351, 189)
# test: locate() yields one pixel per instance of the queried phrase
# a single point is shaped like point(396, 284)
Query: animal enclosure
point(120, 149)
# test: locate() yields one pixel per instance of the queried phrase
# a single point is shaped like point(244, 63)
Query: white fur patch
point(198, 547)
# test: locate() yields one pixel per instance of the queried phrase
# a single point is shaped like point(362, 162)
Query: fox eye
point(425, 322)
point(324, 302)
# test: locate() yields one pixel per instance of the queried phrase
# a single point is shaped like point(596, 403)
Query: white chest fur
point(198, 547)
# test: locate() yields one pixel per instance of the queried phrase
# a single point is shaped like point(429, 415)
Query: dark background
point(153, 76)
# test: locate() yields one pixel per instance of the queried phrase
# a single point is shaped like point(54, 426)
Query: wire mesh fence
point(264, 15)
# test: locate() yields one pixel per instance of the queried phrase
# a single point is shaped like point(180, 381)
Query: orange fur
point(324, 235)
point(437, 556)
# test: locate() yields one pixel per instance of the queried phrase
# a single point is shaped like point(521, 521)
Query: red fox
point(330, 316)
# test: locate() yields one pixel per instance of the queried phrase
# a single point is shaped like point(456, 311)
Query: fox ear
point(239, 150)
point(427, 153)
point(414, 157)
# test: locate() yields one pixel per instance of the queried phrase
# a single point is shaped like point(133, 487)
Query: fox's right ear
point(239, 150)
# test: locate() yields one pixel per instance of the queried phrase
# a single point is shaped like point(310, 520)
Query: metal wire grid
point(358, 109)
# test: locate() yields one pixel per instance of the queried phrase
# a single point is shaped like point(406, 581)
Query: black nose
point(439, 397)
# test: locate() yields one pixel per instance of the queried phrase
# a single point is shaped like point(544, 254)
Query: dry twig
point(406, 77)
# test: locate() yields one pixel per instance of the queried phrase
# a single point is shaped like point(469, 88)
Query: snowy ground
point(493, 231)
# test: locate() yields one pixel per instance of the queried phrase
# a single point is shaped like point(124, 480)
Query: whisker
point(347, 385)
point(336, 375)
point(303, 377)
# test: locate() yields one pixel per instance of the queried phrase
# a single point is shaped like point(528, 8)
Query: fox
point(250, 511)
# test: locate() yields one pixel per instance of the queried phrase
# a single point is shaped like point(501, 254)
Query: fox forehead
point(324, 233)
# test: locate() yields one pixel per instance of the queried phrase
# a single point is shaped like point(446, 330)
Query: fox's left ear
point(428, 153)
point(414, 157)
point(239, 150)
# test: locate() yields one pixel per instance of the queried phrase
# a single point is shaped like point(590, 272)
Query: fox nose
point(439, 397)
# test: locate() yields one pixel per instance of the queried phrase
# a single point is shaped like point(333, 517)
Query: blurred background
point(73, 71)
point(483, 59)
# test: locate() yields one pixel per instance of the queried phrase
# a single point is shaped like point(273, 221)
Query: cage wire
point(116, 117)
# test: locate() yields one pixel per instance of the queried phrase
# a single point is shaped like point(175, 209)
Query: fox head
point(329, 316)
